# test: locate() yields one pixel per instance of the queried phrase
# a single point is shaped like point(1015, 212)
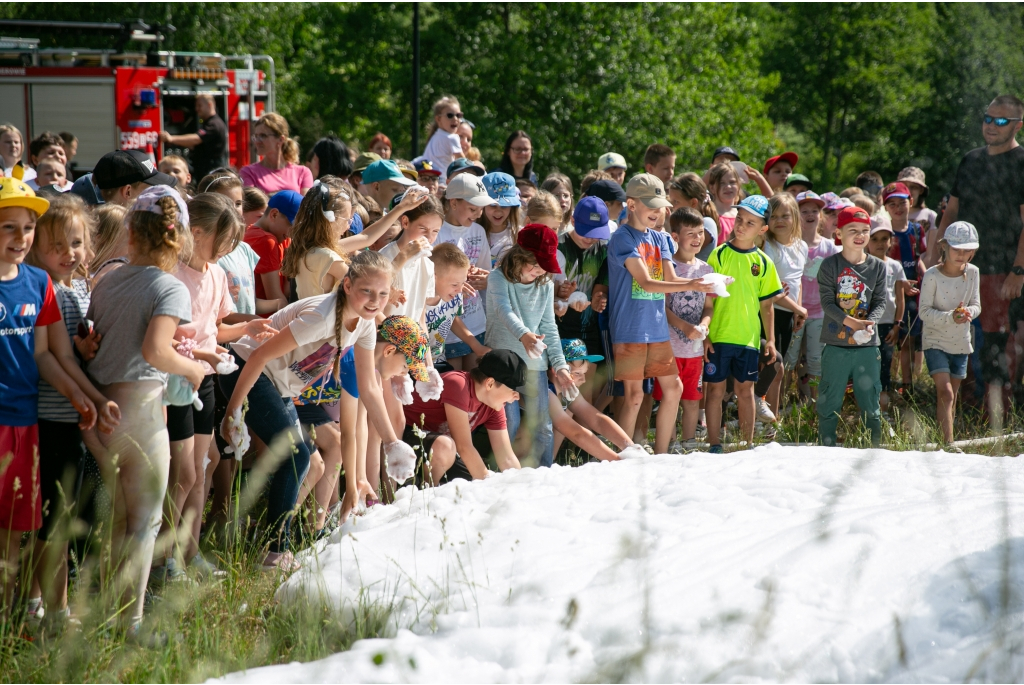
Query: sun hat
point(797, 179)
point(504, 366)
point(962, 235)
point(611, 159)
point(287, 202)
point(809, 196)
point(790, 157)
point(755, 204)
point(725, 150)
point(912, 174)
point(463, 164)
point(469, 188)
point(590, 218)
point(542, 243)
point(14, 193)
point(895, 189)
point(364, 160)
point(385, 170)
point(852, 215)
point(607, 190)
point(576, 350)
point(424, 167)
point(649, 189)
point(408, 337)
point(501, 187)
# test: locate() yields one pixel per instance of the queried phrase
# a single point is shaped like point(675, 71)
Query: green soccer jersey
point(737, 318)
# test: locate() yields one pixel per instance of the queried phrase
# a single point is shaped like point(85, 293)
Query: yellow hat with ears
point(14, 193)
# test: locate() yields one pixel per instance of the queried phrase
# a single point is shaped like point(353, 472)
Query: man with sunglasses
point(989, 193)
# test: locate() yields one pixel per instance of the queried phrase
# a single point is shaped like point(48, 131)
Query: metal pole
point(415, 80)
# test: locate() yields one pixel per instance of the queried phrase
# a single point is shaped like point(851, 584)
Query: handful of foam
point(719, 281)
point(238, 435)
point(536, 350)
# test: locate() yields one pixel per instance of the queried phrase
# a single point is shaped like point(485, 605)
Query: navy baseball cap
point(726, 150)
point(463, 164)
point(590, 218)
point(607, 190)
point(287, 202)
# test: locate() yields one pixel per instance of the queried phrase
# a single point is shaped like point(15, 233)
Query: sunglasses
point(454, 115)
point(1000, 121)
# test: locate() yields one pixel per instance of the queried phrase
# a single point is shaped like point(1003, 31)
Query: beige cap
point(912, 174)
point(649, 189)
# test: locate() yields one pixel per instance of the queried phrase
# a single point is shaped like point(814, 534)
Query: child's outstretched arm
point(577, 434)
point(602, 424)
point(53, 373)
point(460, 330)
point(380, 227)
point(671, 284)
point(458, 425)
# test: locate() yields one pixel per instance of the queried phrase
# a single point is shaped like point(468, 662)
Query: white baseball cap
point(470, 188)
point(611, 159)
point(962, 235)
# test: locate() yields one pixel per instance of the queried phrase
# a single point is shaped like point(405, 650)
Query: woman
point(329, 157)
point(518, 158)
point(381, 145)
point(12, 147)
point(278, 169)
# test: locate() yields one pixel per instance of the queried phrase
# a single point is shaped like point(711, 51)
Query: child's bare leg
point(745, 405)
point(774, 390)
point(195, 502)
point(328, 443)
point(223, 482)
point(626, 415)
point(691, 414)
point(713, 395)
point(945, 395)
point(643, 420)
point(665, 425)
point(180, 482)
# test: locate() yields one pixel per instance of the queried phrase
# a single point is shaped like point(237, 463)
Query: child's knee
point(442, 453)
point(633, 393)
point(316, 466)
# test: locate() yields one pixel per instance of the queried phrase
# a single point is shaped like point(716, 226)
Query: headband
point(215, 181)
point(149, 200)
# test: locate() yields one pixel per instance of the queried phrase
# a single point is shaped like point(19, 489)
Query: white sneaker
point(764, 412)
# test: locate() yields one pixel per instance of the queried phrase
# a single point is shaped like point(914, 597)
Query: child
point(908, 249)
point(689, 316)
point(50, 172)
point(560, 186)
point(444, 309)
point(852, 286)
point(109, 240)
point(501, 221)
point(313, 333)
point(613, 196)
point(660, 162)
point(950, 300)
point(465, 200)
point(441, 430)
point(176, 166)
point(268, 238)
point(892, 319)
point(527, 191)
point(640, 273)
point(137, 309)
point(778, 168)
point(733, 345)
point(227, 184)
point(520, 300)
point(543, 208)
point(254, 205)
point(724, 186)
point(443, 144)
point(582, 256)
point(688, 190)
point(914, 178)
point(429, 177)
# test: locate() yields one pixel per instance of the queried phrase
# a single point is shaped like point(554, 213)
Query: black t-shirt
point(990, 191)
point(586, 268)
point(212, 151)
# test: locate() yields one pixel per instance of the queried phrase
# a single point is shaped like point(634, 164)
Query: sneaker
point(764, 412)
point(716, 449)
point(34, 610)
point(689, 445)
point(284, 562)
point(702, 431)
point(176, 574)
point(204, 569)
point(675, 448)
point(146, 638)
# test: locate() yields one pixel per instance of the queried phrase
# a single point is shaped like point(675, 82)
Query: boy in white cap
point(614, 164)
point(950, 300)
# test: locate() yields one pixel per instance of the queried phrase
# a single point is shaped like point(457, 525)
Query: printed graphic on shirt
point(237, 283)
point(313, 368)
point(650, 255)
point(853, 297)
point(439, 324)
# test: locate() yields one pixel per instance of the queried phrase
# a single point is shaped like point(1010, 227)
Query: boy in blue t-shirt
point(640, 272)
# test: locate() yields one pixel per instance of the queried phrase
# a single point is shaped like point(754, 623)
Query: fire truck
point(120, 98)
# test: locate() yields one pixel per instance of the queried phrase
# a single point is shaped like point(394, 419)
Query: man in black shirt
point(989, 193)
point(209, 145)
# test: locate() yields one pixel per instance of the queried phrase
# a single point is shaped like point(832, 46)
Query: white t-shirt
point(441, 150)
point(416, 278)
point(893, 273)
point(28, 176)
point(311, 322)
point(499, 243)
point(473, 241)
point(789, 263)
point(924, 214)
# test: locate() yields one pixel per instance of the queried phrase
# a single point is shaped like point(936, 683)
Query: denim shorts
point(944, 362)
point(460, 349)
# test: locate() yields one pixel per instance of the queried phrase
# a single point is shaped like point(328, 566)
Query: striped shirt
point(73, 302)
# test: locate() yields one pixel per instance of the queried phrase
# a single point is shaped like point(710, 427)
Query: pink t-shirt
point(293, 177)
point(211, 302)
point(809, 281)
point(725, 226)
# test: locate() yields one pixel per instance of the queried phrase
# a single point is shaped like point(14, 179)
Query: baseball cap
point(385, 170)
point(576, 350)
point(607, 190)
point(797, 179)
point(880, 223)
point(124, 167)
point(961, 235)
point(542, 242)
point(895, 189)
point(831, 200)
point(790, 157)
point(501, 187)
point(356, 225)
point(649, 189)
point(755, 204)
point(406, 335)
point(463, 164)
point(425, 168)
point(590, 218)
point(469, 188)
point(611, 159)
point(504, 366)
point(726, 150)
point(852, 215)
point(407, 169)
point(14, 193)
point(364, 160)
point(809, 196)
point(912, 174)
point(287, 202)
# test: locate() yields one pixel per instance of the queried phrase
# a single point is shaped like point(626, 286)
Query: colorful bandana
point(406, 335)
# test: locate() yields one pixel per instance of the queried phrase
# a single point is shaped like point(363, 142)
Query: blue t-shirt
point(636, 316)
point(26, 301)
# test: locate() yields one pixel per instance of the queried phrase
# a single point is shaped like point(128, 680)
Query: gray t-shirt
point(123, 303)
point(856, 290)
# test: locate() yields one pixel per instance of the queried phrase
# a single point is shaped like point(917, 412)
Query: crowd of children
point(365, 323)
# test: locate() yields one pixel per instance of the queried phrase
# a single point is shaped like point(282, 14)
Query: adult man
point(209, 145)
point(989, 193)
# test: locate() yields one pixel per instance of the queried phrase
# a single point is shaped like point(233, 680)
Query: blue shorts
point(460, 349)
point(944, 362)
point(737, 361)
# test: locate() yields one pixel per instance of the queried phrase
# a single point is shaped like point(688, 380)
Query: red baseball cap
point(852, 215)
point(790, 157)
point(542, 242)
point(895, 190)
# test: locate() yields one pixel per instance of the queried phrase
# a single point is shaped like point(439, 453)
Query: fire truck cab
point(118, 99)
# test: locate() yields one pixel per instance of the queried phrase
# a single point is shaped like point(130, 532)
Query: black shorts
point(185, 422)
point(60, 466)
point(422, 447)
point(311, 416)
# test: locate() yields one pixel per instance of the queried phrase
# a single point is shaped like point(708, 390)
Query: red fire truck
point(119, 99)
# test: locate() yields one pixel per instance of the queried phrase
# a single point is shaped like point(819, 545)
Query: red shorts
point(637, 361)
point(20, 504)
point(691, 371)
